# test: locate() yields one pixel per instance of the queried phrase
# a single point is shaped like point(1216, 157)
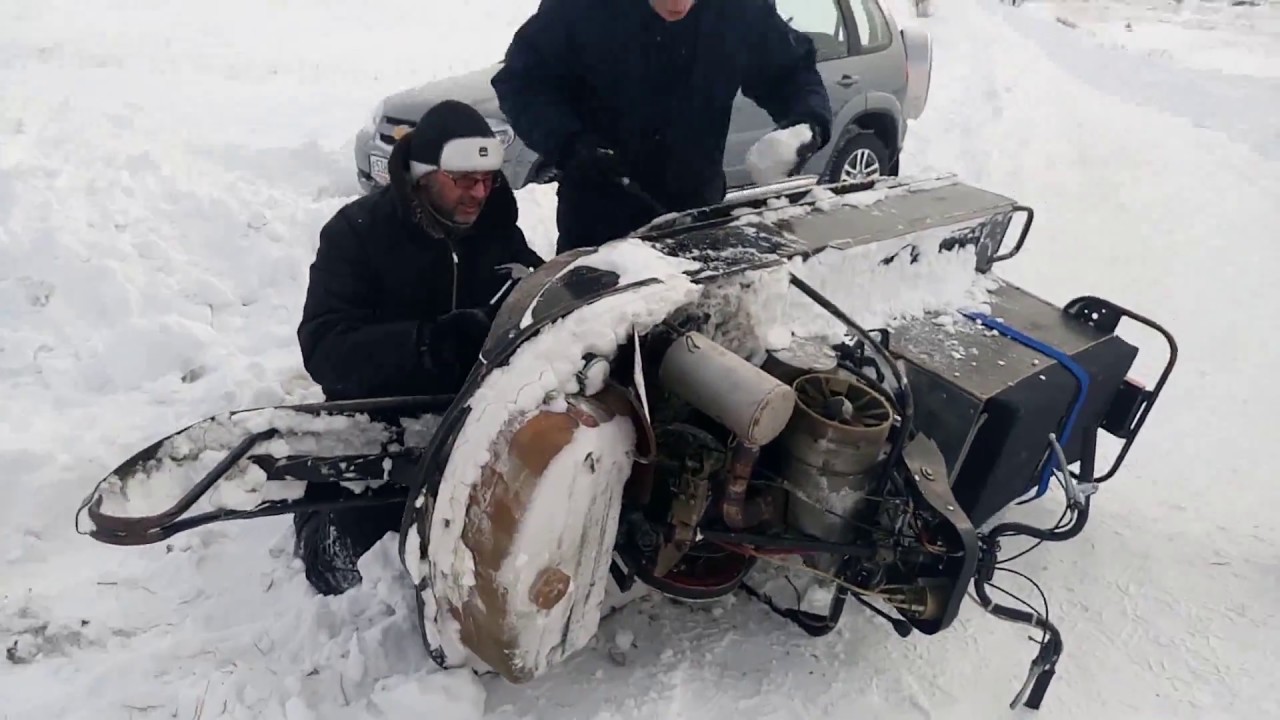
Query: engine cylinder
point(748, 401)
point(835, 441)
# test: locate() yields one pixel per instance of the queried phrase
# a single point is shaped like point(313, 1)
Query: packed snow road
point(163, 172)
point(1213, 64)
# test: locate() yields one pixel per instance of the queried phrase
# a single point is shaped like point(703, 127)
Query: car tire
point(861, 150)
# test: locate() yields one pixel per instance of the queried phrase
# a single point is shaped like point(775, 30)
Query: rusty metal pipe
point(742, 461)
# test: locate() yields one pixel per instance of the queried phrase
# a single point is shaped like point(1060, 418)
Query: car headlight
point(376, 116)
point(503, 130)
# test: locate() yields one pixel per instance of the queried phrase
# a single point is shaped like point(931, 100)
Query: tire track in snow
point(1240, 106)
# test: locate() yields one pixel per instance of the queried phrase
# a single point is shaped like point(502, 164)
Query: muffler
point(751, 403)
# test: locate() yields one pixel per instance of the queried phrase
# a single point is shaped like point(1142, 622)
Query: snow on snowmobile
point(686, 410)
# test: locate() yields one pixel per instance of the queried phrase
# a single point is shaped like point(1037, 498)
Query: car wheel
point(862, 157)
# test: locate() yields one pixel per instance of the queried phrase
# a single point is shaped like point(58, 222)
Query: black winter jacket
point(658, 93)
point(379, 283)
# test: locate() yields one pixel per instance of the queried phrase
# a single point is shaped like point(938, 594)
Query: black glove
point(589, 161)
point(452, 345)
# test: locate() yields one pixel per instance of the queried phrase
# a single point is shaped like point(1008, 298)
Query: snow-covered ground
point(1211, 63)
point(164, 168)
point(1235, 37)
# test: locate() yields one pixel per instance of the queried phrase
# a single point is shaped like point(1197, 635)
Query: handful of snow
point(773, 156)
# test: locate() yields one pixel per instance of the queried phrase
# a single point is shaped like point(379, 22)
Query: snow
point(631, 260)
point(1214, 36)
point(821, 199)
point(773, 156)
point(759, 311)
point(594, 376)
point(742, 310)
point(164, 169)
point(624, 639)
point(877, 295)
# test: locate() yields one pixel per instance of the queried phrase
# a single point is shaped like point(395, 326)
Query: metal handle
point(1022, 236)
point(639, 193)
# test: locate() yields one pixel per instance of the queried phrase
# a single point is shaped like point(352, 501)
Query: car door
point(880, 60)
point(826, 23)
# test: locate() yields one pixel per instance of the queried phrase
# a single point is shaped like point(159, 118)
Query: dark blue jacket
point(658, 93)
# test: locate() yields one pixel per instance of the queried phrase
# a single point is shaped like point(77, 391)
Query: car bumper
point(366, 144)
point(918, 44)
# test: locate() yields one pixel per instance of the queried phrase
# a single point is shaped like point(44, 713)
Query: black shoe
point(328, 554)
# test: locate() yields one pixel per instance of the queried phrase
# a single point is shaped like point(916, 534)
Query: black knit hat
point(453, 136)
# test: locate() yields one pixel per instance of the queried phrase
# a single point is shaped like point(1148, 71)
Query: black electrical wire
point(1044, 637)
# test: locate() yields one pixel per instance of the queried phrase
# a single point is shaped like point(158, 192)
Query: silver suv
point(876, 74)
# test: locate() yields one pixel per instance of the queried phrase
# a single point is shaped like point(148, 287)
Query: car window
point(821, 21)
point(872, 27)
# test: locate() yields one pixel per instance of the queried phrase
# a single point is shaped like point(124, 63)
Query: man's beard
point(473, 212)
point(446, 218)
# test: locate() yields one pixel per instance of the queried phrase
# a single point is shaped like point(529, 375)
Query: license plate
point(378, 169)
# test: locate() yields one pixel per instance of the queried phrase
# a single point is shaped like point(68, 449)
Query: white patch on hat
point(468, 154)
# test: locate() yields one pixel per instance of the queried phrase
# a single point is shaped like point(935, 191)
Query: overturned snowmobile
point(678, 407)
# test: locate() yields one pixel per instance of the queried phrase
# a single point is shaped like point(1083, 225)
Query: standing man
point(401, 298)
point(644, 89)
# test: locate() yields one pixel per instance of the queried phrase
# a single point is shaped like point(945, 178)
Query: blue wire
point(1068, 362)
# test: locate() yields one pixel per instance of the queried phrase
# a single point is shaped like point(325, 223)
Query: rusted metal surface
point(738, 513)
point(521, 453)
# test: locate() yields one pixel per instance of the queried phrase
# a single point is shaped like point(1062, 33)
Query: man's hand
point(454, 342)
point(808, 149)
point(590, 161)
point(782, 153)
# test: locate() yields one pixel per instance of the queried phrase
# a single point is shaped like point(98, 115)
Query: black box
point(990, 401)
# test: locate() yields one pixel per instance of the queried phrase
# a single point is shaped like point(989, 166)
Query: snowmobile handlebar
point(1044, 665)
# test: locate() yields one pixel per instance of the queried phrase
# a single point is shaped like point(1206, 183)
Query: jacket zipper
point(454, 288)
